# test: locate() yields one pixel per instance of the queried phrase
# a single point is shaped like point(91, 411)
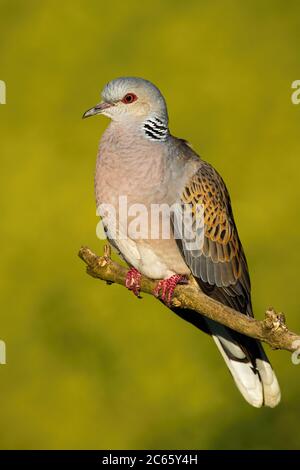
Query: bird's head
point(131, 99)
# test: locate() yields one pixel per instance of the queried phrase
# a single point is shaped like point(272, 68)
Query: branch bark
point(272, 330)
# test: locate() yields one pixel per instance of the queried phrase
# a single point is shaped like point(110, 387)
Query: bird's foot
point(133, 281)
point(167, 287)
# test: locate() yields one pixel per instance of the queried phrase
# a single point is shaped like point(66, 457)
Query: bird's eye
point(129, 98)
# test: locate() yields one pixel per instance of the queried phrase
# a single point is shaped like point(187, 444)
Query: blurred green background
point(90, 366)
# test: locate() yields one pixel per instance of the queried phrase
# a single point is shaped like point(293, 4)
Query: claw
point(133, 281)
point(167, 287)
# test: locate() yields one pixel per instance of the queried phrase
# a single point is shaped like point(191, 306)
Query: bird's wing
point(219, 263)
point(220, 268)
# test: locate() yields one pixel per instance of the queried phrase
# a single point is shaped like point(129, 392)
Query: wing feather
point(220, 261)
point(219, 266)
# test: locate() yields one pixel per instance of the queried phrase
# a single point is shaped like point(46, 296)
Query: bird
point(141, 161)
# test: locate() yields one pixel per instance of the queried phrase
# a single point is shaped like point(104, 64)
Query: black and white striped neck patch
point(155, 129)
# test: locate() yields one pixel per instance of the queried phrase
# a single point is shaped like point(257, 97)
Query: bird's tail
point(248, 364)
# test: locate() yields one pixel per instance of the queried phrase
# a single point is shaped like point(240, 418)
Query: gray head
point(131, 99)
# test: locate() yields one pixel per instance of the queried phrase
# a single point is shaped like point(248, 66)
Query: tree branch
point(272, 330)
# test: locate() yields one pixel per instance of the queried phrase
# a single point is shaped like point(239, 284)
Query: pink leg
point(132, 281)
point(167, 287)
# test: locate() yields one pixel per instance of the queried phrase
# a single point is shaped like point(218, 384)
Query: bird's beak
point(97, 109)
